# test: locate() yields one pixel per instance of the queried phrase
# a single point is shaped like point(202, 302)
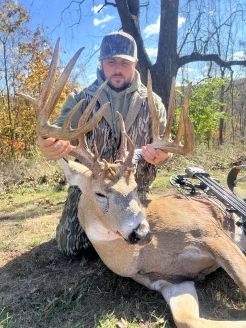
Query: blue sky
point(88, 32)
point(88, 29)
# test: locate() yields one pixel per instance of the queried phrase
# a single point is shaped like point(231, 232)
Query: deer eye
point(102, 201)
point(98, 194)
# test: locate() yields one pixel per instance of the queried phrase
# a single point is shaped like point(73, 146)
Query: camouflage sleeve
point(145, 175)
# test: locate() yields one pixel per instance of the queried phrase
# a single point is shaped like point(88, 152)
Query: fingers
point(54, 149)
point(152, 155)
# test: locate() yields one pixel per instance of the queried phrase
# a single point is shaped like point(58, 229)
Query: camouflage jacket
point(137, 123)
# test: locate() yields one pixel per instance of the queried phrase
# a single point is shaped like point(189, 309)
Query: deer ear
point(71, 171)
point(76, 174)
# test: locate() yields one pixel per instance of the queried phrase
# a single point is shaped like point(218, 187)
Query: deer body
point(188, 239)
point(176, 250)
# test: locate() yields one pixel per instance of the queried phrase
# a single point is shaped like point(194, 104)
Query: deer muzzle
point(141, 235)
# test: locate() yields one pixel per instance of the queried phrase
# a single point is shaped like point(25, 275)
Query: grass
point(39, 288)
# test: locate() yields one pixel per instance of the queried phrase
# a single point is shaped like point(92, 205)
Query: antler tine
point(44, 106)
point(59, 86)
point(124, 156)
point(83, 126)
point(82, 151)
point(185, 128)
point(170, 112)
point(39, 103)
point(183, 115)
point(153, 111)
point(86, 157)
point(128, 162)
point(123, 142)
point(189, 128)
point(47, 87)
point(97, 116)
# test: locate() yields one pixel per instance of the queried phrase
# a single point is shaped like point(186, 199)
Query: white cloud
point(152, 52)
point(106, 19)
point(205, 68)
point(155, 28)
point(95, 9)
point(189, 70)
point(240, 55)
point(181, 21)
point(152, 28)
point(14, 51)
point(92, 76)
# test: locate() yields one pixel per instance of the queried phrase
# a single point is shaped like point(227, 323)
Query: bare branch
point(188, 33)
point(195, 56)
point(107, 3)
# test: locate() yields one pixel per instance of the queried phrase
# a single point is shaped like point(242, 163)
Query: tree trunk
point(11, 129)
point(242, 122)
point(222, 108)
point(167, 64)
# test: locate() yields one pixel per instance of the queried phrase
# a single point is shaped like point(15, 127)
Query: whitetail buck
point(170, 243)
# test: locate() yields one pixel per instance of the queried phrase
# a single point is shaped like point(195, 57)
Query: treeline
point(217, 109)
point(25, 58)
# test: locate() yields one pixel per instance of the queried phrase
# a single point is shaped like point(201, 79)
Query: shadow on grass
point(42, 289)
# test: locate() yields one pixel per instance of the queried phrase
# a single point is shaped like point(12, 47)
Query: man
point(126, 94)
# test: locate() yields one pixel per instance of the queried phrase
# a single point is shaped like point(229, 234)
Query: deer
point(166, 244)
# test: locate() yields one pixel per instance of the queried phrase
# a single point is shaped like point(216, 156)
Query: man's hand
point(54, 149)
point(152, 155)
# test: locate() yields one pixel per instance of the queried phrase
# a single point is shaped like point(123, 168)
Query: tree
point(170, 56)
point(236, 110)
point(25, 57)
point(204, 108)
point(12, 18)
point(177, 48)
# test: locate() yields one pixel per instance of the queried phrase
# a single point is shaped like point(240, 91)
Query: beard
point(124, 86)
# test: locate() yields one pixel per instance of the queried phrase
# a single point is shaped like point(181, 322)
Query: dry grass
point(27, 172)
point(39, 288)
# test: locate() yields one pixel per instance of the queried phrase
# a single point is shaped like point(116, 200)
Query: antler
point(185, 128)
point(125, 157)
point(46, 102)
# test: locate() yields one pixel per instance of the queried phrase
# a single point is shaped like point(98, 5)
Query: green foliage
point(5, 319)
point(204, 108)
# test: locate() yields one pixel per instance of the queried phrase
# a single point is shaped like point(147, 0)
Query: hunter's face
point(119, 72)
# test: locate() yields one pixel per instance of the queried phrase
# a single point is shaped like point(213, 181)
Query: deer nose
point(141, 235)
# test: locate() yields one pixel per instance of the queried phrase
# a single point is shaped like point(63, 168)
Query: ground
point(39, 288)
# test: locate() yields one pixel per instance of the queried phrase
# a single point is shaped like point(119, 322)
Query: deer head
point(109, 199)
point(109, 206)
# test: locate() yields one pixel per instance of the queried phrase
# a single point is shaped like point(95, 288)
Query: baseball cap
point(118, 44)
